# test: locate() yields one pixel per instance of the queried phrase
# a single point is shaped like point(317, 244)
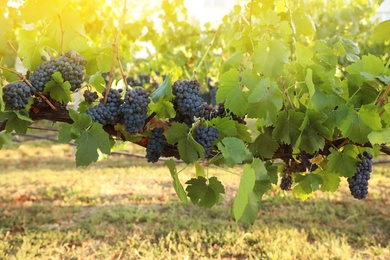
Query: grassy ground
point(123, 208)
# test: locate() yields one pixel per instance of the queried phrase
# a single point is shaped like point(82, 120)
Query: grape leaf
point(205, 192)
point(199, 170)
point(380, 137)
point(343, 163)
point(233, 150)
point(233, 62)
point(307, 184)
point(230, 91)
point(243, 132)
point(330, 181)
point(176, 182)
point(381, 32)
point(18, 121)
point(247, 183)
point(88, 144)
point(369, 63)
point(103, 59)
point(311, 138)
point(354, 128)
point(64, 133)
point(269, 57)
point(58, 89)
point(303, 24)
point(251, 210)
point(97, 81)
point(35, 10)
point(164, 90)
point(31, 49)
point(265, 101)
point(189, 149)
point(5, 139)
point(264, 146)
point(369, 114)
point(163, 109)
point(287, 126)
point(225, 126)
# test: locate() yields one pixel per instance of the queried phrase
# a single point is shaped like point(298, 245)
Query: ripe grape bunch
point(287, 181)
point(71, 66)
point(188, 100)
point(16, 95)
point(90, 96)
point(156, 144)
point(135, 110)
point(358, 184)
point(206, 137)
point(109, 113)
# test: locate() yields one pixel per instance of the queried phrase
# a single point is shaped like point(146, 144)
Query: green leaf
point(312, 131)
point(381, 32)
point(103, 59)
point(307, 184)
point(252, 209)
point(287, 126)
point(264, 146)
point(343, 163)
point(189, 149)
point(265, 101)
point(233, 150)
point(88, 144)
point(269, 57)
point(230, 91)
point(97, 81)
point(247, 183)
point(369, 114)
point(176, 182)
point(164, 90)
point(31, 49)
point(199, 170)
point(64, 133)
point(33, 11)
point(354, 127)
point(18, 121)
point(303, 24)
point(5, 139)
point(225, 126)
point(58, 89)
point(369, 63)
point(330, 181)
point(380, 137)
point(304, 54)
point(233, 62)
point(163, 109)
point(203, 192)
point(243, 132)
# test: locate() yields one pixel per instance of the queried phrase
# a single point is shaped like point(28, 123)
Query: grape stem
point(382, 99)
point(205, 54)
point(28, 83)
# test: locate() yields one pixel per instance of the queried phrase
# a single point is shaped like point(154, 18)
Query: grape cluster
point(358, 184)
point(305, 157)
point(287, 181)
point(71, 66)
point(90, 96)
point(108, 114)
point(156, 144)
point(16, 95)
point(188, 100)
point(206, 137)
point(135, 109)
